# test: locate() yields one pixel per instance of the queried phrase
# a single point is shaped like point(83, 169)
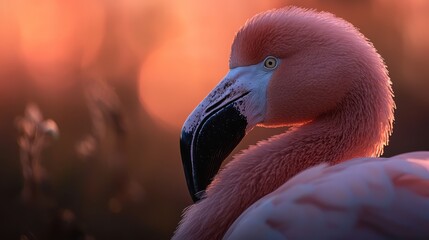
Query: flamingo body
point(320, 179)
point(364, 198)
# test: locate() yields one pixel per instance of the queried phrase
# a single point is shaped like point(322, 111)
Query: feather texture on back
point(364, 198)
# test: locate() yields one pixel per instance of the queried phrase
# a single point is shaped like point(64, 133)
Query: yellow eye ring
point(270, 63)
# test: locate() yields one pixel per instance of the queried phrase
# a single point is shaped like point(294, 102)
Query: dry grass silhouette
point(35, 134)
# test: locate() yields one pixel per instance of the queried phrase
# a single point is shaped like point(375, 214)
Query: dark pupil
point(270, 63)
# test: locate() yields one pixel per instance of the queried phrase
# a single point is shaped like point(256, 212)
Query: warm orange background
point(161, 57)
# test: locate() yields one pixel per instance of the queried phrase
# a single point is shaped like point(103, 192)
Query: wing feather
point(365, 198)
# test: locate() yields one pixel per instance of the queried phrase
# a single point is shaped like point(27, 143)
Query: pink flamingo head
point(321, 59)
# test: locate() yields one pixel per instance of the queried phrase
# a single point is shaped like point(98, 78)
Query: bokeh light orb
point(183, 69)
point(176, 76)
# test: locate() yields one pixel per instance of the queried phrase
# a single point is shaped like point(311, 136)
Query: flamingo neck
point(359, 127)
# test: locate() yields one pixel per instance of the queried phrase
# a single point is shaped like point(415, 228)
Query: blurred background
point(93, 94)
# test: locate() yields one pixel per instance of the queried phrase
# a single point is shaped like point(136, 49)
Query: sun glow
point(177, 50)
point(180, 72)
point(54, 35)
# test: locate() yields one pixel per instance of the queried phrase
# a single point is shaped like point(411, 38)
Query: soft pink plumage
point(333, 87)
point(360, 199)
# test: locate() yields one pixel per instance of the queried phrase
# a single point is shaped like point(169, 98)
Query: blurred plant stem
point(35, 134)
point(107, 142)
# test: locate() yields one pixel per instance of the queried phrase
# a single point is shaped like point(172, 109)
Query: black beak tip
point(204, 148)
point(185, 151)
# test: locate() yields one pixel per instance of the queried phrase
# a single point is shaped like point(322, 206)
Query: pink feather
point(364, 198)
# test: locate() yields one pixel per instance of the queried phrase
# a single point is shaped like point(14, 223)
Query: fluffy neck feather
point(359, 127)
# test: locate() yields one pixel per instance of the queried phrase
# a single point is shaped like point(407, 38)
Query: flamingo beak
point(210, 134)
point(218, 124)
point(204, 149)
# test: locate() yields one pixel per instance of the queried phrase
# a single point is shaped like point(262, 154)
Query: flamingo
point(320, 179)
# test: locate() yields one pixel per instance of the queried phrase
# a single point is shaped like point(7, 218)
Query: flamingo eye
point(270, 63)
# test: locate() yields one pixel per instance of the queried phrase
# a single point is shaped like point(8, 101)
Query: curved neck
point(358, 127)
